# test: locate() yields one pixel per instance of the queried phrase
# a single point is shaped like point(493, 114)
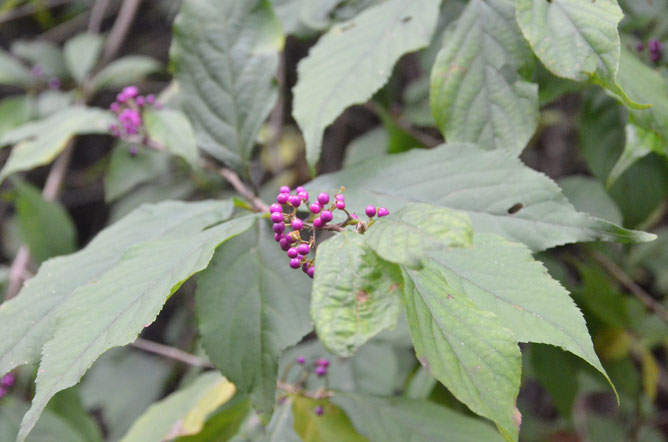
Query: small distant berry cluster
point(284, 212)
point(320, 365)
point(38, 72)
point(128, 107)
point(654, 48)
point(5, 383)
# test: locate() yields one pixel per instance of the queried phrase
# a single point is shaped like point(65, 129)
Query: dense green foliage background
point(516, 291)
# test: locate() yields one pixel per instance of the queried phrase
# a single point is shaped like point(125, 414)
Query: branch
point(171, 353)
point(97, 15)
point(625, 280)
point(232, 177)
point(120, 29)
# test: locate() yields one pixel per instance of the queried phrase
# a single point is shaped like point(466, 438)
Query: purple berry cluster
point(284, 212)
point(320, 365)
point(5, 383)
point(654, 48)
point(38, 72)
point(128, 107)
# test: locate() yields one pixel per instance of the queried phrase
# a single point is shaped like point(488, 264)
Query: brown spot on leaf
point(362, 296)
point(515, 208)
point(450, 296)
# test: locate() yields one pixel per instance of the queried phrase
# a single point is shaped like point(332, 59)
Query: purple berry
point(326, 216)
point(297, 224)
point(277, 217)
point(290, 239)
point(282, 198)
point(133, 151)
point(318, 222)
point(299, 190)
point(114, 107)
point(319, 410)
point(322, 362)
point(640, 46)
point(340, 204)
point(285, 245)
point(311, 271)
point(275, 208)
point(279, 227)
point(54, 83)
point(315, 208)
point(295, 263)
point(294, 200)
point(130, 91)
point(7, 380)
point(320, 370)
point(370, 211)
point(293, 253)
point(383, 212)
point(278, 236)
point(340, 197)
point(37, 70)
point(303, 196)
point(284, 189)
point(354, 215)
point(305, 267)
point(323, 199)
point(303, 249)
point(301, 360)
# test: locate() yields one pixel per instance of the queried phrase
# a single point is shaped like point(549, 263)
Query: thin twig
point(318, 394)
point(616, 272)
point(232, 177)
point(422, 137)
point(17, 271)
point(171, 353)
point(97, 14)
point(119, 30)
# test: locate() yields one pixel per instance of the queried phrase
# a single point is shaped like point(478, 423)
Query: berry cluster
point(284, 212)
point(38, 72)
point(128, 107)
point(654, 47)
point(5, 383)
point(320, 365)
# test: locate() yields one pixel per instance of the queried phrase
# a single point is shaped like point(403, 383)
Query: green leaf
point(483, 184)
point(27, 321)
point(405, 236)
point(576, 39)
point(588, 195)
point(354, 293)
point(182, 412)
point(125, 70)
point(224, 424)
point(67, 404)
point(42, 53)
point(400, 419)
point(281, 427)
point(367, 146)
point(250, 306)
point(501, 277)
point(42, 141)
point(476, 92)
point(353, 60)
point(481, 369)
point(127, 172)
point(81, 54)
point(14, 112)
point(225, 55)
point(45, 226)
point(121, 302)
point(557, 373)
point(172, 129)
point(332, 426)
point(639, 143)
point(13, 72)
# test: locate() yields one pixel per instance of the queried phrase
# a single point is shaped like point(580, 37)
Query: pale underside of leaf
point(225, 66)
point(483, 184)
point(467, 349)
point(353, 60)
point(27, 321)
point(118, 305)
point(355, 293)
point(476, 92)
